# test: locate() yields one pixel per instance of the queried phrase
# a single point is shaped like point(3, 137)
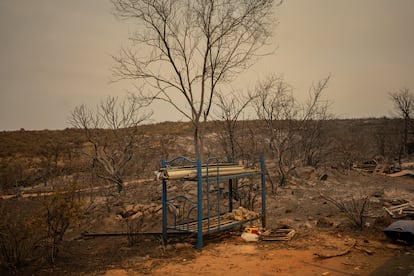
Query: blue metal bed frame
point(210, 223)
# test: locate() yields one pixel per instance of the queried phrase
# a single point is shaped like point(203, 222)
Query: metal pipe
point(199, 206)
point(164, 206)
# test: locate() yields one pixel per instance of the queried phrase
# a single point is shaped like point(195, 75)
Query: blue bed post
point(263, 171)
point(199, 206)
point(230, 195)
point(164, 205)
point(230, 187)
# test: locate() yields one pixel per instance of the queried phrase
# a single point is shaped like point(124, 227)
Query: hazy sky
point(56, 54)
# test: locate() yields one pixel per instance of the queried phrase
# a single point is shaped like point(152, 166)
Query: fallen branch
point(327, 256)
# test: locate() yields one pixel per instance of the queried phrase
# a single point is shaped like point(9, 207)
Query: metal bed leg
point(199, 206)
point(164, 207)
point(230, 195)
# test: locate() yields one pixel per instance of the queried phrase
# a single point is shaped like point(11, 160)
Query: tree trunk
point(282, 174)
point(120, 185)
point(406, 120)
point(196, 137)
point(232, 146)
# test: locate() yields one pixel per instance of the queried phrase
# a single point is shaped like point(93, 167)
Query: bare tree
point(277, 108)
point(185, 49)
point(403, 102)
point(229, 109)
point(315, 112)
point(113, 148)
point(51, 154)
point(293, 130)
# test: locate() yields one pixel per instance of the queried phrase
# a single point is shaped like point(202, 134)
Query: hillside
point(48, 174)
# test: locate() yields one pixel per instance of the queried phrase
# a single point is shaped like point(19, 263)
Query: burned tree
point(314, 113)
point(185, 50)
point(229, 109)
point(403, 102)
point(293, 129)
point(277, 108)
point(112, 131)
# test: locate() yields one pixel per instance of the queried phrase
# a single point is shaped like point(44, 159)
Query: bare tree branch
point(194, 45)
point(230, 107)
point(403, 102)
point(111, 150)
point(294, 130)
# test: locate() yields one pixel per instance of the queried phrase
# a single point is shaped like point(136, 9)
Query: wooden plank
point(400, 210)
point(402, 173)
point(397, 207)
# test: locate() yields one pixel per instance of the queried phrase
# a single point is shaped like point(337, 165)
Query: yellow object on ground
point(251, 230)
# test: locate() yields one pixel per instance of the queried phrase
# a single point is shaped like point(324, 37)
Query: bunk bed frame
point(187, 214)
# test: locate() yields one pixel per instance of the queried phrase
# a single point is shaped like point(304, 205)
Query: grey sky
point(55, 55)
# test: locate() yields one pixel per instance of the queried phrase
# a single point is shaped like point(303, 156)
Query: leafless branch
point(195, 46)
point(112, 150)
